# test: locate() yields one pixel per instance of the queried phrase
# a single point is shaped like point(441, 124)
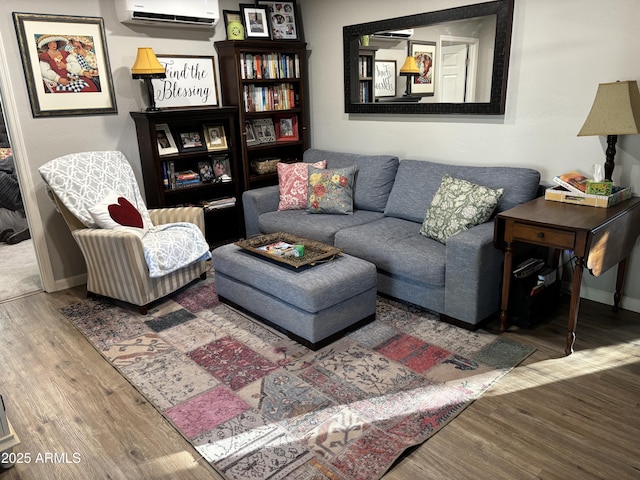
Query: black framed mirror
point(461, 55)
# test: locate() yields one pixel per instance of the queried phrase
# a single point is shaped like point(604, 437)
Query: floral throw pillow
point(458, 205)
point(331, 191)
point(293, 182)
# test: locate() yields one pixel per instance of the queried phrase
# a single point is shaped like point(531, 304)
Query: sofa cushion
point(417, 181)
point(331, 190)
point(396, 247)
point(293, 184)
point(374, 178)
point(321, 227)
point(457, 206)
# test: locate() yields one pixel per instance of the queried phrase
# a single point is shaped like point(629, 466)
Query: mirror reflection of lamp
point(145, 68)
point(615, 111)
point(410, 70)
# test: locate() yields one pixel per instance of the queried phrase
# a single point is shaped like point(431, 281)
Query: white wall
point(560, 51)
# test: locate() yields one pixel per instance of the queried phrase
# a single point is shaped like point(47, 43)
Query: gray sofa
point(460, 280)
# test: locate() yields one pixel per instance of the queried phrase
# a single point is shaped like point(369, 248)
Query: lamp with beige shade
point(615, 111)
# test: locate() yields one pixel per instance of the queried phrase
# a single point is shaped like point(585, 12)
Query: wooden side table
point(599, 237)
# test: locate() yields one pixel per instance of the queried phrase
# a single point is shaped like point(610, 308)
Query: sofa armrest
point(161, 216)
point(473, 275)
point(256, 202)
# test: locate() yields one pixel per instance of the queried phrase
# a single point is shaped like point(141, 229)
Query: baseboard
point(69, 282)
point(602, 296)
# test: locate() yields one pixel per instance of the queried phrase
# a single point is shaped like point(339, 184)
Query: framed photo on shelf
point(250, 134)
point(190, 140)
point(166, 143)
point(53, 49)
point(255, 20)
point(385, 78)
point(287, 128)
point(425, 54)
point(205, 169)
point(215, 137)
point(221, 168)
point(264, 130)
point(282, 16)
point(233, 16)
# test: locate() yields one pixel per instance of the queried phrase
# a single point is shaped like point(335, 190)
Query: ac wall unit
point(395, 34)
point(177, 13)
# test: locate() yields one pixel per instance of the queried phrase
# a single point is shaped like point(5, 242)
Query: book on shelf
point(186, 177)
point(573, 181)
point(170, 173)
point(269, 66)
point(260, 98)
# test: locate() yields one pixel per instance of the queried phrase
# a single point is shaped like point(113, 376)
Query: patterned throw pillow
point(293, 182)
point(458, 205)
point(331, 191)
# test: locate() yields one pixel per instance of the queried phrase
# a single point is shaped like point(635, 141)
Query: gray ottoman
point(314, 305)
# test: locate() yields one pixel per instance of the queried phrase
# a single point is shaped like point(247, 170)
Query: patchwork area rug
point(258, 405)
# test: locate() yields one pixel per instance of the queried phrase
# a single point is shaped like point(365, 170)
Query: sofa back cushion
point(374, 178)
point(417, 181)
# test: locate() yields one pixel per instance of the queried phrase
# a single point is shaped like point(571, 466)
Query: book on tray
point(573, 181)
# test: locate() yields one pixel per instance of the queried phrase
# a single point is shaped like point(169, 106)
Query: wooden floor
point(553, 417)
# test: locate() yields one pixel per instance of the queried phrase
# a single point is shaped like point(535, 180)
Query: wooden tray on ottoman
point(314, 252)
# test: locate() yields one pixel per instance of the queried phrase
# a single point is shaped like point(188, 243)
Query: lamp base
point(152, 100)
point(609, 163)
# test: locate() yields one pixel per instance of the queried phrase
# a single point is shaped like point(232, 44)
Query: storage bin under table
point(313, 305)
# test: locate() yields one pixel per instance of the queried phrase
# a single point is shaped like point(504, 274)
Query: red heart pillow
point(125, 213)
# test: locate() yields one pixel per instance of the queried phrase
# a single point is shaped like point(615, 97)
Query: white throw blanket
point(172, 246)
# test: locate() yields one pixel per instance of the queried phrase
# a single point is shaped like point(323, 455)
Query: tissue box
point(603, 187)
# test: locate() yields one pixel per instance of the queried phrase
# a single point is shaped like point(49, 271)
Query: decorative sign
point(385, 78)
point(190, 82)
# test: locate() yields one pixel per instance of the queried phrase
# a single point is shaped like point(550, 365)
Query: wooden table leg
point(622, 270)
point(574, 305)
point(506, 283)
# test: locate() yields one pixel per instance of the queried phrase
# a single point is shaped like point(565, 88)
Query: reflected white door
point(453, 73)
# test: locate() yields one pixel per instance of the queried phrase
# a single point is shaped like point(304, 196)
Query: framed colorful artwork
point(424, 54)
point(66, 64)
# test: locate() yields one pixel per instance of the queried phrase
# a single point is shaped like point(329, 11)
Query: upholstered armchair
point(132, 254)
